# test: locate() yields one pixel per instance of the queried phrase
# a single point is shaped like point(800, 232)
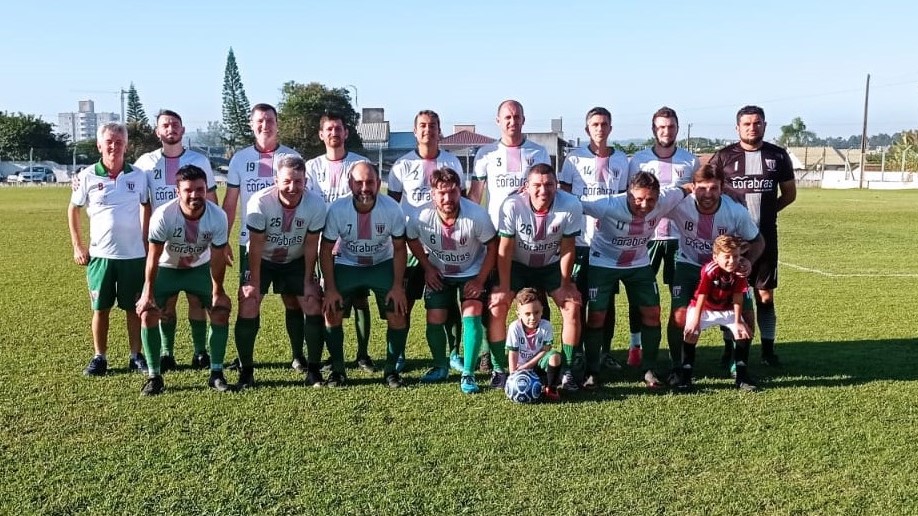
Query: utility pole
point(688, 138)
point(864, 133)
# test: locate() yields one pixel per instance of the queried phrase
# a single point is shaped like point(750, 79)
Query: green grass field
point(834, 432)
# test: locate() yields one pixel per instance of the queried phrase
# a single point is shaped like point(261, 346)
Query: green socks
point(472, 332)
point(198, 335)
point(218, 337)
point(246, 332)
point(167, 332)
point(151, 348)
point(436, 340)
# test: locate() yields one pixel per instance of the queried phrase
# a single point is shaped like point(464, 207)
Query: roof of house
point(812, 157)
point(465, 139)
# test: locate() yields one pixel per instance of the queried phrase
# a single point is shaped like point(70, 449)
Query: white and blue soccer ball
point(523, 387)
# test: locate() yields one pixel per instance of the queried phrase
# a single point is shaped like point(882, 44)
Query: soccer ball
point(523, 387)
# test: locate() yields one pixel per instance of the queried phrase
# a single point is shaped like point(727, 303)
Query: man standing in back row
point(760, 176)
point(161, 167)
point(501, 167)
point(672, 166)
point(251, 170)
point(327, 175)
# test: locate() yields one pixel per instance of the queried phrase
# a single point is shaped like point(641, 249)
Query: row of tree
point(299, 110)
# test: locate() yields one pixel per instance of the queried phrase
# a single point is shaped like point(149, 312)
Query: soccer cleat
point(590, 383)
point(400, 363)
point(673, 378)
point(484, 364)
point(635, 356)
point(246, 378)
point(98, 366)
point(610, 363)
point(456, 363)
point(733, 370)
point(468, 385)
point(651, 380)
point(298, 364)
point(137, 364)
point(314, 377)
point(685, 381)
point(153, 386)
point(200, 361)
point(568, 383)
point(771, 360)
point(498, 380)
point(218, 382)
point(394, 381)
point(326, 366)
point(366, 364)
point(746, 385)
point(336, 380)
point(550, 394)
point(167, 363)
point(435, 374)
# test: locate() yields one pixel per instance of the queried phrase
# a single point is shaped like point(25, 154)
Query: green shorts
point(111, 279)
point(547, 278)
point(542, 365)
point(663, 252)
point(195, 282)
point(355, 281)
point(685, 281)
point(446, 297)
point(640, 285)
point(287, 278)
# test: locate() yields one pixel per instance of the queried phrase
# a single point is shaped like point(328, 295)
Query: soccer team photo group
point(487, 254)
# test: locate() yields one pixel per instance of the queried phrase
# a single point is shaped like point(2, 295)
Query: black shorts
point(764, 274)
point(414, 282)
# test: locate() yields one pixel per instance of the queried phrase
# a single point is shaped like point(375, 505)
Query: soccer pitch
point(835, 430)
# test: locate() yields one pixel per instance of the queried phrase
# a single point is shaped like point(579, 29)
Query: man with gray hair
point(112, 192)
point(284, 222)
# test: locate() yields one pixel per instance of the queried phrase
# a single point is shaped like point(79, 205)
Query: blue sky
point(704, 59)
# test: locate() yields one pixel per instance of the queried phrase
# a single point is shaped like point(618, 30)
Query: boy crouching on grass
point(529, 341)
point(718, 301)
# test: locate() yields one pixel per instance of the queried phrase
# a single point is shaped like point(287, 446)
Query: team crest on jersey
point(207, 236)
point(770, 165)
point(721, 230)
point(321, 176)
point(651, 223)
point(554, 228)
point(677, 290)
point(593, 292)
point(299, 222)
point(529, 161)
point(380, 229)
point(130, 185)
point(463, 239)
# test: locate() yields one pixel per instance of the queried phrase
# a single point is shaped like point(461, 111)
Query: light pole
point(356, 104)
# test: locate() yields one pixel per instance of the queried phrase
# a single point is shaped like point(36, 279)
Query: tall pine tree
point(235, 106)
point(135, 112)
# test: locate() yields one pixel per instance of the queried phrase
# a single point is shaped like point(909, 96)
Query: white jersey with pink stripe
point(364, 239)
point(528, 344)
point(410, 176)
point(538, 235)
point(505, 168)
point(593, 177)
point(698, 231)
point(676, 170)
point(459, 250)
point(329, 178)
point(161, 171)
point(620, 241)
point(187, 243)
point(285, 228)
point(252, 171)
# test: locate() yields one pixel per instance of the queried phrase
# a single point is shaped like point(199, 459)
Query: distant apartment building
point(82, 125)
